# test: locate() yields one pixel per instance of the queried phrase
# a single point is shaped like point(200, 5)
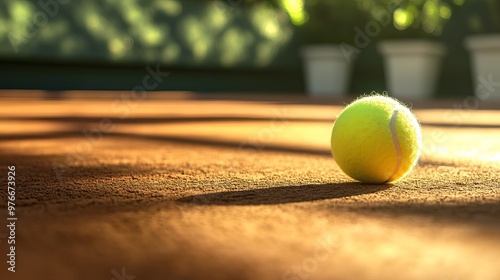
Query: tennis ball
point(376, 139)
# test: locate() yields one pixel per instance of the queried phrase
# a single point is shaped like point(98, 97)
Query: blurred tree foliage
point(333, 21)
point(175, 32)
point(322, 21)
point(416, 17)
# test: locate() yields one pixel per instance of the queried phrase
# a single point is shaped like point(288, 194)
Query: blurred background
point(246, 45)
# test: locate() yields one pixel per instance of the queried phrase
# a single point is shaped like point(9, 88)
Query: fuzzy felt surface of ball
point(376, 139)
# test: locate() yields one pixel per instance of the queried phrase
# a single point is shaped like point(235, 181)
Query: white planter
point(485, 63)
point(411, 67)
point(327, 70)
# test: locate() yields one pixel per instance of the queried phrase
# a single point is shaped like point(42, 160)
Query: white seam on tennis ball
point(392, 126)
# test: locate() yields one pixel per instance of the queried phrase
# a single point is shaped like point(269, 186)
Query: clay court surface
point(185, 186)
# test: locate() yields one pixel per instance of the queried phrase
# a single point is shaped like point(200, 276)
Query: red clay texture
point(184, 186)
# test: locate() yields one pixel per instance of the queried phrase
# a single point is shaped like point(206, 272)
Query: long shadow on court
point(172, 139)
point(284, 194)
point(477, 213)
point(181, 140)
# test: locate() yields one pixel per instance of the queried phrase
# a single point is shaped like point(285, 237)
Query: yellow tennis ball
point(376, 139)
